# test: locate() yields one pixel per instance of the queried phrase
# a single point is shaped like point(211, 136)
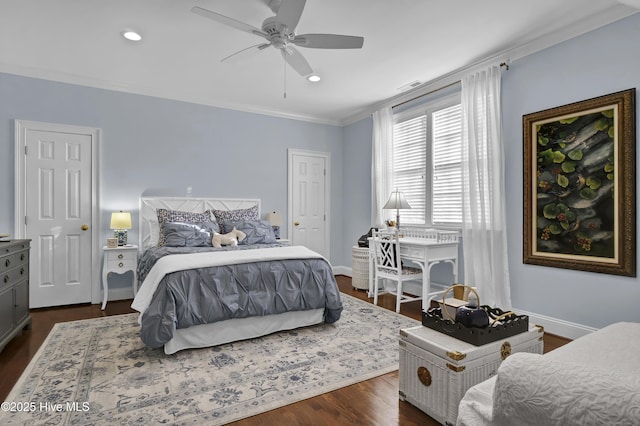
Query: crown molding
point(594, 22)
point(67, 78)
point(606, 17)
point(632, 3)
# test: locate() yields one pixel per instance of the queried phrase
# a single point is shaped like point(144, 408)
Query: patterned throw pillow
point(257, 231)
point(165, 215)
point(235, 216)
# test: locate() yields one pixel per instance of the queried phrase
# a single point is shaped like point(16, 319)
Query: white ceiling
point(79, 41)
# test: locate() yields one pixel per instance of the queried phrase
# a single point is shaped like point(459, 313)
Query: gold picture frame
point(112, 242)
point(579, 185)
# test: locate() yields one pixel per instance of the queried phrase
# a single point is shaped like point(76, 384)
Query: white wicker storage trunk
point(360, 267)
point(436, 370)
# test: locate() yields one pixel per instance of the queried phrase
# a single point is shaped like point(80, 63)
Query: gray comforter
point(207, 295)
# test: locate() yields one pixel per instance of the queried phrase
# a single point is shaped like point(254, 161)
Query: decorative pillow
point(257, 231)
point(165, 215)
point(177, 234)
point(235, 216)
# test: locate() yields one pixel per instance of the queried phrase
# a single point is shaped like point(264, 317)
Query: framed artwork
point(579, 185)
point(112, 242)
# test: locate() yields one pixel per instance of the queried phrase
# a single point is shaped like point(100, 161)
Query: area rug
point(98, 371)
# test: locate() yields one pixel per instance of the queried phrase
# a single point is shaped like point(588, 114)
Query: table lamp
point(120, 222)
point(397, 201)
point(275, 219)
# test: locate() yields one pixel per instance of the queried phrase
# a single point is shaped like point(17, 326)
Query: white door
point(308, 220)
point(58, 212)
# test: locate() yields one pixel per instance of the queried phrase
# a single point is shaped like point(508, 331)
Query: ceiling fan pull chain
point(284, 62)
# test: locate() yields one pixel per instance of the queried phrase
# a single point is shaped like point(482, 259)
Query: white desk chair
point(388, 265)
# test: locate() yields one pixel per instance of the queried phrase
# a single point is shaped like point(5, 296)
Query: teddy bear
point(229, 239)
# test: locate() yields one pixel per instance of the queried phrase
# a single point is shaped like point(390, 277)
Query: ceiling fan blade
point(244, 53)
point(328, 41)
point(290, 12)
point(296, 60)
point(228, 21)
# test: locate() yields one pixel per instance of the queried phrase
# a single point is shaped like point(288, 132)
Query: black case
point(363, 241)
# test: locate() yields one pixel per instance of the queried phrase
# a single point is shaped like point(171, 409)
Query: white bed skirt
point(205, 335)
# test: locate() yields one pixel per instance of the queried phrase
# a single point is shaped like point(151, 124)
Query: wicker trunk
point(436, 370)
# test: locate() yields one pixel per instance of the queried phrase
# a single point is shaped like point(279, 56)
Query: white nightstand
point(119, 260)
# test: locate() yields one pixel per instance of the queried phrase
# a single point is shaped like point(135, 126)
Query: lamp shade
point(274, 218)
point(397, 201)
point(120, 220)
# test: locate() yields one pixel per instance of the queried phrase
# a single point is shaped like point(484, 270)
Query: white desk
point(425, 253)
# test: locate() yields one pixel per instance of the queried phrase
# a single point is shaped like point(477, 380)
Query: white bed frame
point(206, 335)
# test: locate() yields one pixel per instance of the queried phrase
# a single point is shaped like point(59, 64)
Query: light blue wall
point(159, 147)
point(597, 63)
point(357, 184)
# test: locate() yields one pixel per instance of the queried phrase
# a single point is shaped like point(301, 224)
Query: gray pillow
point(166, 215)
point(180, 234)
point(258, 231)
point(238, 215)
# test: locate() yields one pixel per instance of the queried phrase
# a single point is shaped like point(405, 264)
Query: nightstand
point(119, 259)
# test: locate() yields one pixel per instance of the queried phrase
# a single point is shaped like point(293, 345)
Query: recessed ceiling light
point(313, 78)
point(132, 35)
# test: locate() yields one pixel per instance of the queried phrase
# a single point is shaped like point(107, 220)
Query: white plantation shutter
point(447, 176)
point(431, 183)
point(410, 167)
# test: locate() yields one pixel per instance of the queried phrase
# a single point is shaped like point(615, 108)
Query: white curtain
point(381, 164)
point(484, 223)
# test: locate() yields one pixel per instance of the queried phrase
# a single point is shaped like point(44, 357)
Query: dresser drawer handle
point(7, 263)
point(22, 256)
point(6, 279)
point(21, 271)
point(121, 264)
point(120, 256)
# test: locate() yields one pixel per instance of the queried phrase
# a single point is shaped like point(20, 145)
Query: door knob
point(84, 227)
point(296, 223)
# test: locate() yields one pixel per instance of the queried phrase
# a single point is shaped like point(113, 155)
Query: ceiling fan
point(279, 31)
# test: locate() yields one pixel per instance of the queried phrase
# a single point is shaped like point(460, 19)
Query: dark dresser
point(14, 289)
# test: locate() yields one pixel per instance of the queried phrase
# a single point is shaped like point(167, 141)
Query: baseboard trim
point(556, 326)
point(119, 294)
point(342, 270)
point(562, 328)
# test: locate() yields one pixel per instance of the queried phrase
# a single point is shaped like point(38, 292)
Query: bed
point(593, 380)
point(193, 295)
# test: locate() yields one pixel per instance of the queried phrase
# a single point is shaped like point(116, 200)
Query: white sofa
point(593, 380)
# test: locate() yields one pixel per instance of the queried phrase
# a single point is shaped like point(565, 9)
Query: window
point(427, 162)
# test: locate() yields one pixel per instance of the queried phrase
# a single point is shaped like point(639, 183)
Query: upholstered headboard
point(149, 228)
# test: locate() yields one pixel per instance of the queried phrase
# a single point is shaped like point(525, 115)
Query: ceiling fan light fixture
point(131, 35)
point(313, 78)
point(280, 32)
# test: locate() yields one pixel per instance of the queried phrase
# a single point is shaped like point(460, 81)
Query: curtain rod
point(502, 64)
point(425, 94)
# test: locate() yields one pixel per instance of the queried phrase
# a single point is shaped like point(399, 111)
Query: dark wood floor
point(372, 402)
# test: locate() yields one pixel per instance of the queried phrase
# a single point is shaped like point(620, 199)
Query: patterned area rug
point(99, 372)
